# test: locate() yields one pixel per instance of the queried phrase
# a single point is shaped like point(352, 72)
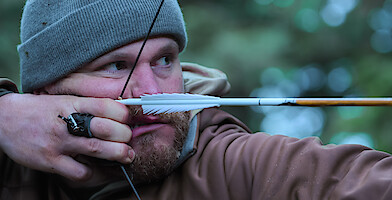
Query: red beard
point(153, 159)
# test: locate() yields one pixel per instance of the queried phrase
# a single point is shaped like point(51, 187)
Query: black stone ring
point(78, 124)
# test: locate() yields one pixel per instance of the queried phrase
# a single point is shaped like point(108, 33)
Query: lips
point(145, 124)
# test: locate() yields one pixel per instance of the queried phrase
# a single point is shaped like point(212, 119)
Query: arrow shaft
point(266, 101)
point(344, 102)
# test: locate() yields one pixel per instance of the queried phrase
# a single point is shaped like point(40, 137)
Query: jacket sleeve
point(242, 165)
point(288, 168)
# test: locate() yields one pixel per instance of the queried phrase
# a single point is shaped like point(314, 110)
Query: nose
point(143, 81)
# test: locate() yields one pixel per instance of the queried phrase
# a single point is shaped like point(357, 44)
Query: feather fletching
point(176, 103)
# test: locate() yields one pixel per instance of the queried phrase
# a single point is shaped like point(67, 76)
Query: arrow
point(169, 103)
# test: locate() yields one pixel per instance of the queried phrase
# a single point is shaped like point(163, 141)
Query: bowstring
point(130, 182)
point(141, 50)
point(126, 84)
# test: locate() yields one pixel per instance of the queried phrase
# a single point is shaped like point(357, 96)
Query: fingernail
point(131, 155)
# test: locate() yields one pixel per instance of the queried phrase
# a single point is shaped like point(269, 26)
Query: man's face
point(156, 139)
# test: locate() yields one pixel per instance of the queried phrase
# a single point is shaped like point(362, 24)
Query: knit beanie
point(60, 36)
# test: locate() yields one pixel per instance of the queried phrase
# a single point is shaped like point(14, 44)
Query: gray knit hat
point(58, 37)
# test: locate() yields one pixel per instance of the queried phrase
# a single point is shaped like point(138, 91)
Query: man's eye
point(115, 66)
point(164, 61)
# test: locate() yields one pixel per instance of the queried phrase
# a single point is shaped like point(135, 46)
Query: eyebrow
point(103, 60)
point(118, 56)
point(168, 47)
point(172, 45)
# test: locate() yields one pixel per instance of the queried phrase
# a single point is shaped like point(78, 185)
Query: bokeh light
point(381, 22)
point(381, 19)
point(308, 20)
point(353, 138)
point(311, 78)
point(294, 122)
point(333, 15)
point(335, 11)
point(271, 75)
point(339, 79)
point(382, 41)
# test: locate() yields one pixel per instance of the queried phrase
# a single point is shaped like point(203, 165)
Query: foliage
point(10, 14)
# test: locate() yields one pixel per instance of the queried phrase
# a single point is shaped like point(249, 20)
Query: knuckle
point(103, 106)
point(74, 103)
point(49, 153)
point(122, 152)
point(120, 110)
point(123, 113)
point(94, 146)
point(59, 130)
point(50, 164)
point(128, 135)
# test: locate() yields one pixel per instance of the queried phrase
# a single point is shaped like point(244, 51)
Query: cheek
point(106, 89)
point(175, 84)
point(166, 135)
point(88, 87)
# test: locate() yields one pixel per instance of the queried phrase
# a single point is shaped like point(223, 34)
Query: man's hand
point(32, 134)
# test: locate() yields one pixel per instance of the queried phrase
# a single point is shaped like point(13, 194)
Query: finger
point(66, 166)
point(106, 108)
point(94, 147)
point(107, 129)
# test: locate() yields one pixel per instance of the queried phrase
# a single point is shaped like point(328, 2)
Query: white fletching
point(170, 103)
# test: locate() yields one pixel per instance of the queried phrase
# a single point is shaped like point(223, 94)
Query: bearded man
point(75, 59)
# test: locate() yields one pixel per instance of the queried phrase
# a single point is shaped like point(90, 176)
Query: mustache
point(137, 111)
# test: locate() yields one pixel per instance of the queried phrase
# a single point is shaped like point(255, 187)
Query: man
point(75, 53)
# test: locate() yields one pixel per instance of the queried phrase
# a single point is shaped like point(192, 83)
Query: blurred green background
point(283, 48)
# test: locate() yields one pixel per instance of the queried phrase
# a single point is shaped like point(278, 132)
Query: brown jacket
point(228, 162)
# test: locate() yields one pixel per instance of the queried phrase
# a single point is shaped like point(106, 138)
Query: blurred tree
point(10, 14)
